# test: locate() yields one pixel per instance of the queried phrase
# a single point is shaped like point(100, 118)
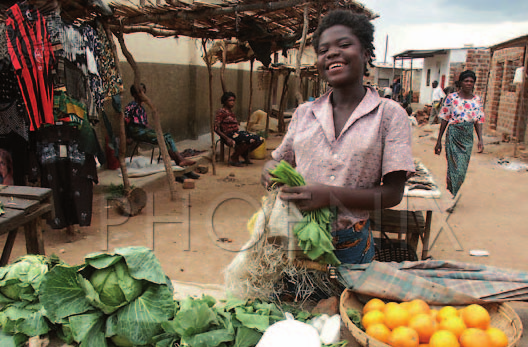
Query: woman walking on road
point(461, 112)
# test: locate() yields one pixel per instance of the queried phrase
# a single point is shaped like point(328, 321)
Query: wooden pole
point(250, 107)
point(268, 104)
point(211, 114)
point(121, 122)
point(154, 115)
point(297, 79)
point(224, 63)
point(282, 126)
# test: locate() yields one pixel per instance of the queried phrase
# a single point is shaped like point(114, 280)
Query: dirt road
point(198, 235)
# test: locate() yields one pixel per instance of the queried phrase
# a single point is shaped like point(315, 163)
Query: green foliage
point(313, 231)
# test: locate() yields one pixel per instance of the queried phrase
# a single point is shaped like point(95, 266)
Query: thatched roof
point(247, 20)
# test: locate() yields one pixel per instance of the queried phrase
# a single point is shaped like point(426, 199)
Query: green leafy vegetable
point(124, 296)
point(313, 231)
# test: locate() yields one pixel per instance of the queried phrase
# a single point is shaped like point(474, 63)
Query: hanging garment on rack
point(93, 44)
point(55, 31)
point(112, 82)
point(11, 120)
point(30, 51)
point(4, 54)
point(69, 172)
point(16, 164)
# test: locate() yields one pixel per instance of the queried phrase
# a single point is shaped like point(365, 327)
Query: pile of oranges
point(415, 324)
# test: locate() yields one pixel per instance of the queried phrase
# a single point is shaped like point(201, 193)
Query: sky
point(431, 24)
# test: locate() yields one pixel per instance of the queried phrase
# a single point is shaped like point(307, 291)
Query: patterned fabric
point(55, 30)
point(67, 109)
point(354, 245)
point(10, 91)
point(437, 282)
point(96, 83)
point(4, 54)
point(243, 137)
point(69, 172)
point(31, 55)
point(143, 134)
point(459, 143)
point(135, 114)
point(112, 82)
point(375, 141)
point(11, 120)
point(456, 109)
point(226, 121)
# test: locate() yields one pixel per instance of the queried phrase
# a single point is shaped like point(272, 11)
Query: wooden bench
point(410, 224)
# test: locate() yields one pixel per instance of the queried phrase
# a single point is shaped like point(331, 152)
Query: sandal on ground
point(235, 163)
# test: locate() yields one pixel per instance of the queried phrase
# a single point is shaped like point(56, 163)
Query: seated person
point(227, 127)
point(137, 128)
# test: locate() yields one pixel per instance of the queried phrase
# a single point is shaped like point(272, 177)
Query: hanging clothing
point(11, 120)
point(32, 58)
point(69, 172)
point(4, 54)
point(112, 82)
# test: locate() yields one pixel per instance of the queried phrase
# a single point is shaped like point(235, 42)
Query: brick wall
point(478, 61)
point(454, 71)
point(503, 98)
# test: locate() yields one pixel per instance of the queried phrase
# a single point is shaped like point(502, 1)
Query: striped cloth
point(435, 281)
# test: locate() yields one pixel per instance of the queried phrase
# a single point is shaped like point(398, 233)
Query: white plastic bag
point(290, 333)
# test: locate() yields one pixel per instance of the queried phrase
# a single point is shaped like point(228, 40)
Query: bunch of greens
point(314, 230)
point(233, 323)
point(22, 314)
point(124, 296)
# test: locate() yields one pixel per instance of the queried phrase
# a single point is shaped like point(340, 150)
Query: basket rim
point(363, 339)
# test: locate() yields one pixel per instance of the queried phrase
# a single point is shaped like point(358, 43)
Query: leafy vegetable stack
point(313, 231)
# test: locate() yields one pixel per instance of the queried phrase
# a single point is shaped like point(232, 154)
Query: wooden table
point(408, 218)
point(23, 207)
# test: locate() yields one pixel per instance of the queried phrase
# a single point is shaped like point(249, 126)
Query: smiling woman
point(348, 141)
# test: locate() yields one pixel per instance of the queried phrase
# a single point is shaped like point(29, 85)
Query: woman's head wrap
point(466, 74)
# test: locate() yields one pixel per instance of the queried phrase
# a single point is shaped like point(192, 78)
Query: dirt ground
point(196, 236)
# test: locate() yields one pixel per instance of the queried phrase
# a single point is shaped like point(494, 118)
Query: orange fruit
point(443, 338)
point(453, 324)
point(418, 306)
point(474, 337)
point(390, 305)
point(424, 326)
point(446, 311)
point(476, 316)
point(498, 337)
point(373, 304)
point(372, 317)
point(406, 305)
point(404, 337)
point(379, 331)
point(433, 313)
point(423, 345)
point(396, 316)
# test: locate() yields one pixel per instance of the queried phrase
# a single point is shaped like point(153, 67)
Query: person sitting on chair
point(137, 128)
point(227, 127)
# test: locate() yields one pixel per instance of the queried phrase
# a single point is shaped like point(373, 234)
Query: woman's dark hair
point(133, 90)
point(466, 74)
point(358, 24)
point(226, 97)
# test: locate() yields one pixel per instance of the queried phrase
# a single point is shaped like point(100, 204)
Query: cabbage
point(115, 285)
point(122, 296)
point(21, 280)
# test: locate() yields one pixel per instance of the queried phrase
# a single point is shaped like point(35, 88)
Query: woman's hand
point(265, 176)
point(307, 198)
point(480, 146)
point(438, 148)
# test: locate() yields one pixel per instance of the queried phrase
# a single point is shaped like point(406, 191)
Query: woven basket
point(502, 317)
point(387, 250)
